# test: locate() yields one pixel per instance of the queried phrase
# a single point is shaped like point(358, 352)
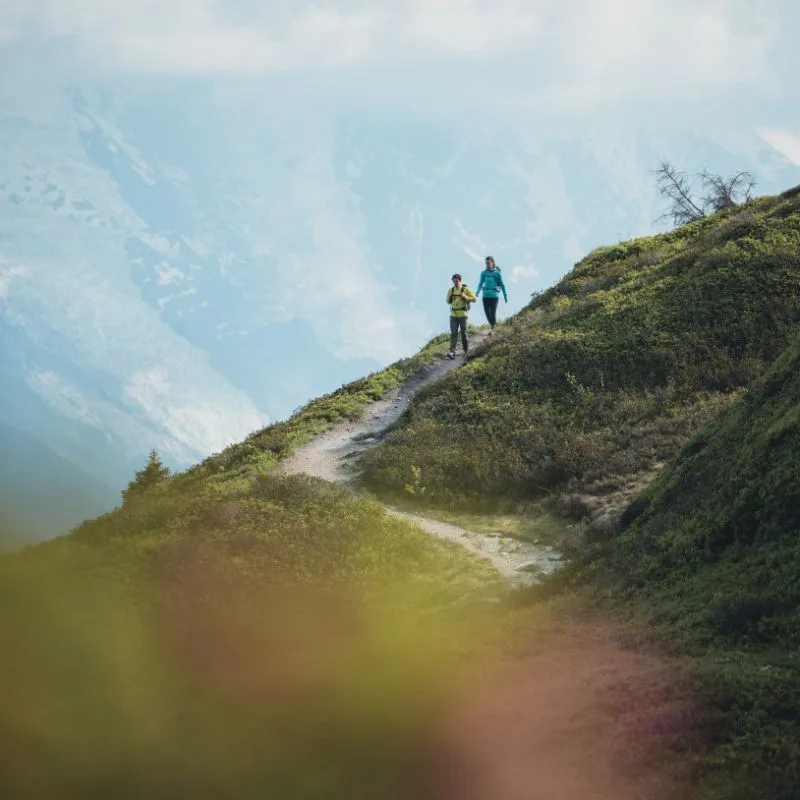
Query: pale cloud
point(415, 231)
point(7, 275)
point(318, 39)
point(573, 250)
point(469, 243)
point(333, 279)
point(442, 28)
point(526, 271)
point(785, 142)
point(544, 189)
point(653, 43)
point(538, 52)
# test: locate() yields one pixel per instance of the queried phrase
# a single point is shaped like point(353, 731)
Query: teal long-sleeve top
point(492, 283)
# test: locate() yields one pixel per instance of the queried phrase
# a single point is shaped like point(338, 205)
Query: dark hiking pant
point(458, 324)
point(490, 307)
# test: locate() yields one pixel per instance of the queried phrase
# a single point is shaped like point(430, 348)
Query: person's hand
point(506, 299)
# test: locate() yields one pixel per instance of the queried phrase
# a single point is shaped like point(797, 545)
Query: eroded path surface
point(331, 456)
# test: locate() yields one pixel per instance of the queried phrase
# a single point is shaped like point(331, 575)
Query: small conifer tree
point(153, 472)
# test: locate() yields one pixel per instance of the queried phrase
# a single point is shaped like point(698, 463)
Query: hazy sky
point(548, 58)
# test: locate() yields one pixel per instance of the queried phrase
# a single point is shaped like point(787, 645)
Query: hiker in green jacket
point(459, 296)
point(491, 283)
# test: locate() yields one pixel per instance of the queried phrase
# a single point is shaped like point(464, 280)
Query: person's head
point(490, 263)
point(456, 280)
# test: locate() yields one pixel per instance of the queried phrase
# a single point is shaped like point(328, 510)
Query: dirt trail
point(581, 716)
point(331, 456)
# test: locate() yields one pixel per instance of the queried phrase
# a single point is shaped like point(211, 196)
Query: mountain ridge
point(180, 223)
point(604, 376)
point(677, 355)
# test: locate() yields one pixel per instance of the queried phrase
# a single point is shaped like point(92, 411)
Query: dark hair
point(456, 276)
point(490, 258)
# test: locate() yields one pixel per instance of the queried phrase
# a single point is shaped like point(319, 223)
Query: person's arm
point(450, 296)
point(503, 287)
point(469, 294)
point(480, 284)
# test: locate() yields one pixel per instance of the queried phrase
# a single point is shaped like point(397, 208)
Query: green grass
point(662, 371)
point(249, 636)
point(708, 558)
point(233, 631)
point(267, 447)
point(602, 378)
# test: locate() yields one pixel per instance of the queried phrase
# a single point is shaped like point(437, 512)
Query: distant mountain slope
point(605, 376)
point(41, 494)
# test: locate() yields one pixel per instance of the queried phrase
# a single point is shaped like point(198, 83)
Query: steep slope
point(602, 378)
point(727, 505)
point(179, 264)
point(233, 628)
point(331, 456)
point(708, 555)
point(236, 631)
point(241, 633)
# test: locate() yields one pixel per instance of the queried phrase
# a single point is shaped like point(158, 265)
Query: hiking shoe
point(490, 332)
point(451, 354)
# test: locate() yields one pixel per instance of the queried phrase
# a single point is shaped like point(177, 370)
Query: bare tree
point(681, 191)
point(676, 186)
point(726, 192)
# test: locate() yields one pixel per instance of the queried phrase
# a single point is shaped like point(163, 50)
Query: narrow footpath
point(580, 715)
point(333, 456)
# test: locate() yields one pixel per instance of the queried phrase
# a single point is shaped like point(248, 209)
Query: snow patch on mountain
point(66, 281)
point(785, 142)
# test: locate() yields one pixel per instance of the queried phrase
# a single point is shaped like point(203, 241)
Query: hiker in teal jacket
point(492, 284)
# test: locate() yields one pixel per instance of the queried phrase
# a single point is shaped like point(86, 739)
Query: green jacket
point(457, 300)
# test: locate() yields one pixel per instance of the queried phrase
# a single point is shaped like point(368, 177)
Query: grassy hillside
point(601, 379)
point(243, 634)
point(709, 554)
point(265, 448)
point(234, 631)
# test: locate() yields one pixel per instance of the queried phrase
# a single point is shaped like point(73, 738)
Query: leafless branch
point(684, 205)
point(726, 192)
point(675, 186)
